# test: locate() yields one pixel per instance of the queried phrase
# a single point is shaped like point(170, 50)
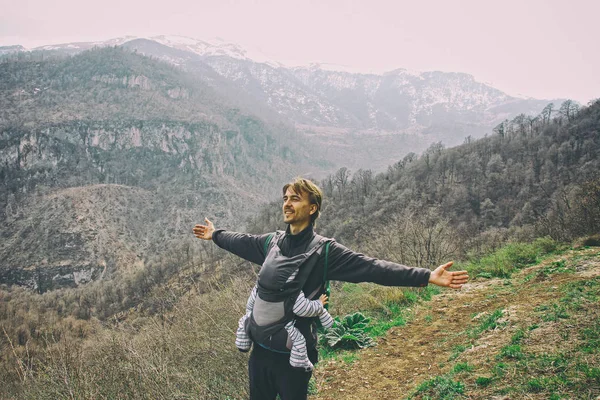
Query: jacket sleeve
point(249, 247)
point(349, 266)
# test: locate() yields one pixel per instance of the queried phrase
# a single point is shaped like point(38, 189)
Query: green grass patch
point(517, 337)
point(506, 260)
point(344, 356)
point(349, 357)
point(528, 277)
point(552, 312)
point(381, 327)
point(312, 386)
point(593, 374)
point(440, 387)
point(488, 323)
point(581, 293)
point(512, 351)
point(427, 292)
point(491, 322)
point(591, 338)
point(483, 381)
point(537, 385)
point(462, 367)
point(557, 267)
point(457, 351)
point(541, 384)
point(557, 363)
point(500, 369)
point(550, 374)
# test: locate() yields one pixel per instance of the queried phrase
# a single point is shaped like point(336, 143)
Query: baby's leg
point(251, 299)
point(242, 340)
point(326, 319)
point(299, 355)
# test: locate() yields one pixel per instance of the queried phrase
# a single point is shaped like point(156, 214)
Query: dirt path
point(409, 355)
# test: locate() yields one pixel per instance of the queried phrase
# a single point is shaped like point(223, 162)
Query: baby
point(303, 307)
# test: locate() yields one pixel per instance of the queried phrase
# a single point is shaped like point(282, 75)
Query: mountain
point(55, 240)
point(195, 65)
point(387, 115)
point(360, 120)
point(114, 156)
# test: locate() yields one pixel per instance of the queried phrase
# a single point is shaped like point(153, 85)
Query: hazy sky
point(539, 48)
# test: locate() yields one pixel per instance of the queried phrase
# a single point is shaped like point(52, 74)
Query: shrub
point(591, 241)
point(521, 255)
point(504, 261)
point(545, 245)
point(349, 332)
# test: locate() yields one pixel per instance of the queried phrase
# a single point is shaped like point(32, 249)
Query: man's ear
point(313, 209)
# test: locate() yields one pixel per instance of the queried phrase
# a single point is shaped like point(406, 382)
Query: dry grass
point(188, 353)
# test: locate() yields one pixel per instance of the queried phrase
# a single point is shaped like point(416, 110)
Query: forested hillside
point(111, 157)
point(531, 177)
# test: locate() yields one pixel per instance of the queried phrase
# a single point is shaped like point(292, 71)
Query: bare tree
point(569, 109)
point(419, 239)
point(341, 179)
point(547, 113)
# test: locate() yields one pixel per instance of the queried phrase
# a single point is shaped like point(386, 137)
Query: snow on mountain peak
point(202, 47)
point(85, 45)
point(330, 67)
point(405, 72)
point(214, 47)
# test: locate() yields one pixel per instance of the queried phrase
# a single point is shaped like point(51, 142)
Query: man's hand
point(452, 279)
point(204, 232)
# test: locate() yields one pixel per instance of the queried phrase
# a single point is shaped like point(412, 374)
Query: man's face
point(297, 208)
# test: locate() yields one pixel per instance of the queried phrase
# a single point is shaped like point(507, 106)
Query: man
point(269, 372)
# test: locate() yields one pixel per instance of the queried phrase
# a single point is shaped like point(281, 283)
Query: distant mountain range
point(361, 120)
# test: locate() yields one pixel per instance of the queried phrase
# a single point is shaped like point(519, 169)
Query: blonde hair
point(315, 195)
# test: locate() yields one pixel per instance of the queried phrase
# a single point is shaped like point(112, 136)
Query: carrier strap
point(327, 286)
point(313, 243)
point(268, 242)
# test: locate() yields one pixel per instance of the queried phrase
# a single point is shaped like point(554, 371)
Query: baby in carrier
point(303, 307)
point(277, 299)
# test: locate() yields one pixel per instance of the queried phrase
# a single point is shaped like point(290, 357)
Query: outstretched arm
point(452, 279)
point(249, 247)
point(349, 266)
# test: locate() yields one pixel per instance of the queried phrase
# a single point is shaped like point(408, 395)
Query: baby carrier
point(273, 307)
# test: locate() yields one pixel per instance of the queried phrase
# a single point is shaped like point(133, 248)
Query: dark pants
point(271, 374)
